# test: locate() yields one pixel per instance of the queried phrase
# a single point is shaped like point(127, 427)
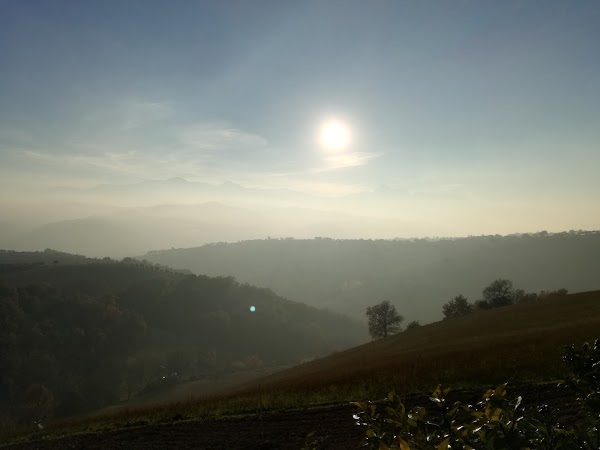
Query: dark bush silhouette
point(458, 306)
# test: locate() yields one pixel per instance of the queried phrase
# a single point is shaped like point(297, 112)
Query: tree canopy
point(384, 320)
point(500, 292)
point(458, 306)
point(75, 337)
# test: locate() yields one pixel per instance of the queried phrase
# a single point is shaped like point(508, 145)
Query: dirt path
point(283, 430)
point(334, 426)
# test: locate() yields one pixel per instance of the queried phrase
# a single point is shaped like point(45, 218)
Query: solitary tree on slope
point(384, 320)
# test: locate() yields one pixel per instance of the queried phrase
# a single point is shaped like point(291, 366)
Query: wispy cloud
point(218, 137)
point(440, 189)
point(139, 166)
point(124, 116)
point(123, 163)
point(140, 139)
point(133, 165)
point(346, 160)
point(325, 189)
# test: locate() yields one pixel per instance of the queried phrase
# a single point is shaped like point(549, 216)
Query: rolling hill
point(418, 276)
point(514, 343)
point(87, 332)
point(520, 344)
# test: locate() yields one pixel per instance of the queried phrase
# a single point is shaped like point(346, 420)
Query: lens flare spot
point(252, 308)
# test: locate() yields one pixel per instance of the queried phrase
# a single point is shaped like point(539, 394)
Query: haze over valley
point(246, 220)
point(417, 275)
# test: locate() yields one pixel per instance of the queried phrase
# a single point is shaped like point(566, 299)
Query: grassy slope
point(521, 342)
point(516, 343)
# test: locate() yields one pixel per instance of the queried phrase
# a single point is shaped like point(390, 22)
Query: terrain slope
point(520, 344)
point(418, 275)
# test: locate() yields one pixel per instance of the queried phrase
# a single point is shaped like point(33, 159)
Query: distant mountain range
point(121, 220)
point(133, 231)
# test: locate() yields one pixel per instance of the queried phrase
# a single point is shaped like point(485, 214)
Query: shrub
point(495, 422)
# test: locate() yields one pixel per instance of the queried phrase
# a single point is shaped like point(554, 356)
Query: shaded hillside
point(513, 343)
point(416, 275)
point(520, 344)
point(48, 256)
point(84, 335)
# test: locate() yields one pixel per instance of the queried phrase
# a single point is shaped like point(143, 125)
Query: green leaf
point(418, 413)
point(370, 433)
point(391, 411)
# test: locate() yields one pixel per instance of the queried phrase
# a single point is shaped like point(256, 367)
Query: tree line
point(384, 319)
point(498, 293)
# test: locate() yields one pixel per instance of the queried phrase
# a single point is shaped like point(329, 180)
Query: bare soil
point(334, 426)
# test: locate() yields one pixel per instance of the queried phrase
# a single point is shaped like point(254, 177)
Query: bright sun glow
point(334, 135)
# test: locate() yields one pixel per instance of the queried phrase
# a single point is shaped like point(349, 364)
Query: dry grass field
point(520, 342)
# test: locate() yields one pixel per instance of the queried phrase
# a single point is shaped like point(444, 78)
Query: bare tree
point(383, 320)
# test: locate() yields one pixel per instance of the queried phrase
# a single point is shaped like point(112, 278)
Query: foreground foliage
point(495, 422)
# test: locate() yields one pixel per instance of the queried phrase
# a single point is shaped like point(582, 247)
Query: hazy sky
point(474, 106)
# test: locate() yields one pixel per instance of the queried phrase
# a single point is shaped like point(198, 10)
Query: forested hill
point(417, 275)
point(86, 334)
point(46, 257)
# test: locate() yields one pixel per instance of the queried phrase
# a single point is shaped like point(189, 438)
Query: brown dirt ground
point(334, 426)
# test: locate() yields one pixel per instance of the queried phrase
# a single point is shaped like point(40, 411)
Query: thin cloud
point(217, 137)
point(440, 189)
point(116, 162)
point(124, 116)
point(346, 160)
point(130, 164)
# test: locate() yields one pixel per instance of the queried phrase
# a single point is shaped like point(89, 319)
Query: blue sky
point(481, 102)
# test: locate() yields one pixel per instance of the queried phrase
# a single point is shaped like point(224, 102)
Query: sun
point(334, 135)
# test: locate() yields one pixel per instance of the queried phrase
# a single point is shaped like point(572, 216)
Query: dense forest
point(77, 334)
point(417, 275)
